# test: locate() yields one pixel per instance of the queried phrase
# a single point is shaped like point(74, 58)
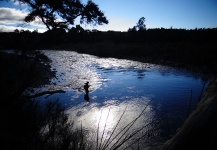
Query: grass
point(124, 138)
point(56, 132)
point(49, 128)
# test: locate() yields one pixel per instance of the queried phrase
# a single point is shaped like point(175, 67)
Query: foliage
point(62, 13)
point(140, 26)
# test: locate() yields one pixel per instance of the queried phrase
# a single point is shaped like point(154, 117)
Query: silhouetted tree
point(140, 26)
point(16, 31)
point(77, 29)
point(132, 29)
point(62, 13)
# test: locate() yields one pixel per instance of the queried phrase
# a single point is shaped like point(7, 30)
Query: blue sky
point(124, 14)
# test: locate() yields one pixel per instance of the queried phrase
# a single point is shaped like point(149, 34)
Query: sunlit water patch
point(164, 95)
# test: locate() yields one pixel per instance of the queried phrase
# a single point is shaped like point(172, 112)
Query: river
point(152, 100)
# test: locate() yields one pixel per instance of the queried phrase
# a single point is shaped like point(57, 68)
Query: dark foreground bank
point(21, 119)
point(199, 130)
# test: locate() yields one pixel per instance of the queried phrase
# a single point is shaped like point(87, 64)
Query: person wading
point(86, 86)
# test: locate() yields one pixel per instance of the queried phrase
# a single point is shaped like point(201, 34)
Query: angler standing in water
point(86, 86)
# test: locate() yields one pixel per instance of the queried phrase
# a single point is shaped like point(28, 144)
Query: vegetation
point(191, 49)
point(61, 14)
point(140, 26)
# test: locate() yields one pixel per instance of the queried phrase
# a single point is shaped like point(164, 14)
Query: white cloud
point(4, 28)
point(7, 28)
point(10, 18)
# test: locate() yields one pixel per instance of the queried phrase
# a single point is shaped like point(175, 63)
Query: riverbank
point(199, 129)
point(21, 71)
point(194, 56)
point(19, 115)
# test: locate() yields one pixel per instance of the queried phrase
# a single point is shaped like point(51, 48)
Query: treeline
point(59, 38)
point(192, 49)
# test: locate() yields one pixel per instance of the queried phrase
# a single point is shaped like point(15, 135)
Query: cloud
point(11, 18)
point(7, 28)
point(4, 28)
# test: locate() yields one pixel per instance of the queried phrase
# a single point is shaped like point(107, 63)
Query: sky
point(124, 14)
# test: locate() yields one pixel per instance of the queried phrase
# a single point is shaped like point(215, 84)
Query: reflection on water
point(162, 92)
point(74, 69)
point(116, 121)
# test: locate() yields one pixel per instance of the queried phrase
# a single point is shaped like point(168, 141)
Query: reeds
point(53, 130)
point(123, 139)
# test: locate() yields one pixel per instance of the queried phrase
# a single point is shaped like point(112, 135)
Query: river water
point(154, 99)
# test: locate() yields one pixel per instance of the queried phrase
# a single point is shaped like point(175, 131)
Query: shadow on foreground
point(199, 130)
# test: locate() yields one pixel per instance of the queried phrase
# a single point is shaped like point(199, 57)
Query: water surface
point(123, 89)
